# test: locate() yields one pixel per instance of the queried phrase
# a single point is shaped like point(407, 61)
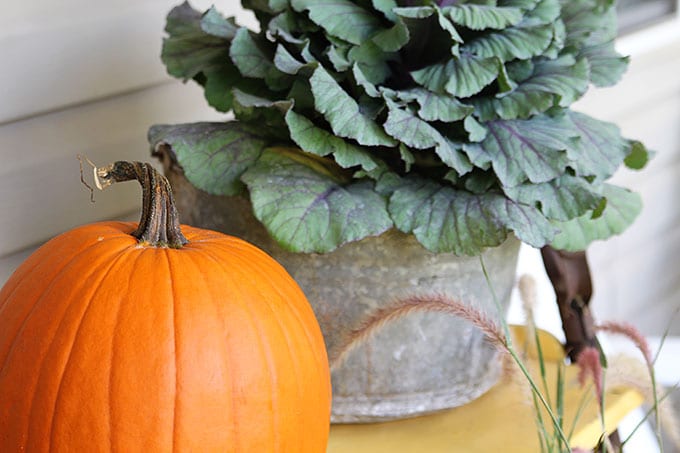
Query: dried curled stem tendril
point(97, 173)
point(82, 176)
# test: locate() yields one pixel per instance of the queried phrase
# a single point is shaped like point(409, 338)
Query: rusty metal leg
point(570, 277)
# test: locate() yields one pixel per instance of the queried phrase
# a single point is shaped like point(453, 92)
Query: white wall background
point(86, 77)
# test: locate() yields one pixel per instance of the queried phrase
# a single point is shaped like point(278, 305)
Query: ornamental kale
point(449, 120)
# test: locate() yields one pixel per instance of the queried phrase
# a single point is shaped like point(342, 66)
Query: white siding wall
point(85, 77)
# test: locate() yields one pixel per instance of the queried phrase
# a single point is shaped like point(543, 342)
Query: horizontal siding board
point(52, 59)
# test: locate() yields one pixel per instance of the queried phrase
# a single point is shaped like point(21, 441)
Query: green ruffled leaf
point(409, 129)
point(443, 219)
point(562, 199)
point(342, 112)
point(212, 155)
point(512, 43)
point(545, 12)
point(476, 132)
point(478, 182)
point(519, 70)
point(220, 83)
point(215, 24)
point(284, 26)
point(600, 149)
point(250, 59)
point(622, 207)
point(452, 154)
point(188, 50)
point(447, 220)
point(521, 150)
point(218, 87)
point(556, 47)
point(360, 78)
point(307, 54)
point(471, 74)
point(341, 18)
point(485, 110)
point(386, 182)
point(522, 4)
point(301, 95)
point(386, 7)
point(318, 141)
point(415, 12)
point(587, 24)
point(638, 155)
point(267, 6)
point(606, 65)
point(505, 83)
point(372, 61)
point(407, 157)
point(554, 82)
point(307, 211)
point(416, 133)
point(285, 62)
point(564, 77)
point(436, 106)
point(448, 27)
point(481, 17)
point(267, 114)
point(520, 103)
point(462, 77)
point(339, 57)
point(392, 39)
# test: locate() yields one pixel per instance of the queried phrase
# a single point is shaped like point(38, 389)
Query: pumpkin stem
point(159, 225)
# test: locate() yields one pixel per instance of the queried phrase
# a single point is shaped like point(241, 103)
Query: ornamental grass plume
point(588, 362)
point(632, 333)
point(419, 303)
point(527, 293)
point(629, 331)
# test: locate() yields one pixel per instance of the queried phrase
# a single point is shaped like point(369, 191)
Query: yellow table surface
point(503, 419)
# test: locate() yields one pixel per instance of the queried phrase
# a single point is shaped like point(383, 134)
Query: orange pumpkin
point(110, 342)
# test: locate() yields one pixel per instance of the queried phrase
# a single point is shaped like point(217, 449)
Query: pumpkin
point(152, 338)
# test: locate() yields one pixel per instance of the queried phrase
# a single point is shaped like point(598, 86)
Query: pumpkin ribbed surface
point(109, 345)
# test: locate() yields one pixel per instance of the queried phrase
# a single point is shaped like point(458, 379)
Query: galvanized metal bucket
point(419, 363)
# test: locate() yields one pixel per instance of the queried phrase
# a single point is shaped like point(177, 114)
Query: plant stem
point(159, 225)
point(585, 400)
point(518, 360)
point(541, 398)
point(650, 411)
